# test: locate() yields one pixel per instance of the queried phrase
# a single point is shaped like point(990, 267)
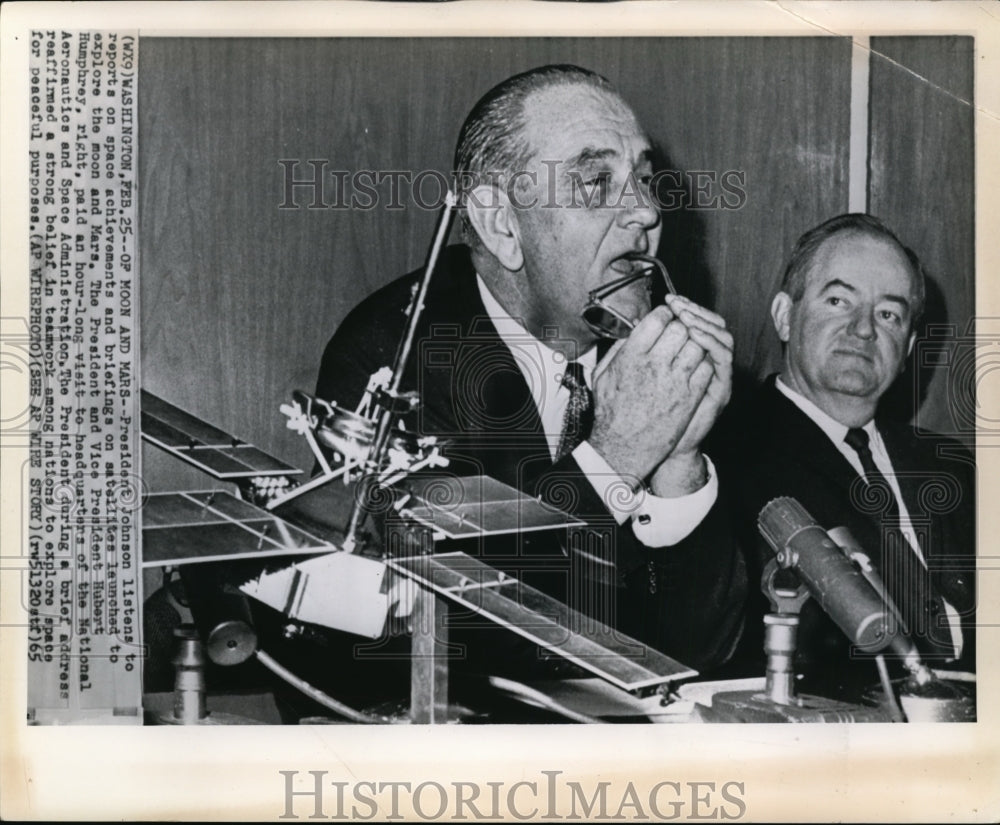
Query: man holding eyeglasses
point(553, 174)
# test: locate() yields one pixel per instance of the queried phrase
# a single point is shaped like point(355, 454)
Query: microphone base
point(754, 706)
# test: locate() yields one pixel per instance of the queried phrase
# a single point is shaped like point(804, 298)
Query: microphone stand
point(779, 701)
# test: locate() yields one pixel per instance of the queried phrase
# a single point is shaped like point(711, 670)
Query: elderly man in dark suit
point(554, 172)
point(846, 312)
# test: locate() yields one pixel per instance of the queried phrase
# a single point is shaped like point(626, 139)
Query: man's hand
point(708, 330)
point(684, 469)
point(649, 387)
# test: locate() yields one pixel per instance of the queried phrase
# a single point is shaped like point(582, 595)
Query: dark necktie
point(579, 415)
point(906, 579)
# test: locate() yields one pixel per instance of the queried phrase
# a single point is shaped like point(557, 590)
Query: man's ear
point(781, 309)
point(492, 217)
point(909, 346)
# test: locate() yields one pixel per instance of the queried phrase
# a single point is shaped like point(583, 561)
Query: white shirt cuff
point(656, 522)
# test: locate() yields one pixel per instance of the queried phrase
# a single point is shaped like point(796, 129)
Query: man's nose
point(863, 323)
point(639, 208)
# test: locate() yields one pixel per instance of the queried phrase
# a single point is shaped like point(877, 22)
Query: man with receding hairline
point(553, 174)
point(846, 314)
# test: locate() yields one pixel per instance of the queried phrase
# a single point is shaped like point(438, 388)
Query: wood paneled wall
point(239, 297)
point(921, 160)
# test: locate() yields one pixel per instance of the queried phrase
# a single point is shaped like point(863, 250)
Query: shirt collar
point(834, 430)
point(512, 332)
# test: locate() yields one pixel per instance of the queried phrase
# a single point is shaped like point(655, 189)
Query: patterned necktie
point(579, 417)
point(906, 579)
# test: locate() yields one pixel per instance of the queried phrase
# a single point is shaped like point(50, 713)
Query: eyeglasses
point(607, 321)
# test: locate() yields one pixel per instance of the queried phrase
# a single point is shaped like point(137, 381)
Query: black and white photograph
point(441, 396)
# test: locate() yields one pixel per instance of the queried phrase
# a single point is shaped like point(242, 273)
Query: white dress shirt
point(836, 432)
point(656, 522)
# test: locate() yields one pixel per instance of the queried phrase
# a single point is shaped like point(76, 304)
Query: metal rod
point(780, 642)
point(417, 306)
point(891, 705)
point(429, 660)
point(385, 420)
point(317, 695)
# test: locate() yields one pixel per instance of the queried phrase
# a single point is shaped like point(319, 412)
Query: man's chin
point(856, 383)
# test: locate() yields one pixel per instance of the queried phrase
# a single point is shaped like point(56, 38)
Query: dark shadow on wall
point(682, 248)
point(682, 241)
point(908, 392)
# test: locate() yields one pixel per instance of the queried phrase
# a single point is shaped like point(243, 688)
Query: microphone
point(832, 579)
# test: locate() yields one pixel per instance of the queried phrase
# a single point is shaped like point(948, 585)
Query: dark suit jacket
point(686, 601)
point(781, 452)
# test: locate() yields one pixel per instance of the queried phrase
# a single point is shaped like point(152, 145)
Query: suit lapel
point(911, 472)
point(490, 399)
point(800, 440)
